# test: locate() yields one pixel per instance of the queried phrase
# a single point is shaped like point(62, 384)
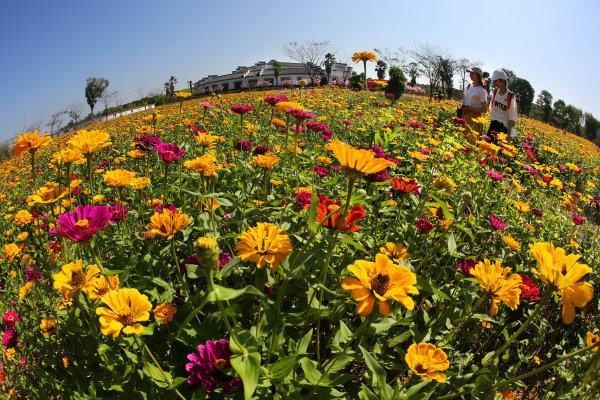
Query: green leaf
point(379, 376)
point(337, 363)
point(451, 244)
point(483, 388)
point(222, 293)
point(304, 342)
point(176, 382)
point(248, 368)
point(312, 212)
point(400, 339)
point(310, 370)
point(247, 342)
point(342, 335)
point(283, 367)
point(160, 378)
point(415, 389)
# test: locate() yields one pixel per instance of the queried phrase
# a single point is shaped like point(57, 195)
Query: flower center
point(420, 368)
point(380, 284)
point(82, 223)
point(126, 319)
point(77, 278)
point(221, 363)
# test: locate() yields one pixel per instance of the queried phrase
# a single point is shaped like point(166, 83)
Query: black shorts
point(496, 126)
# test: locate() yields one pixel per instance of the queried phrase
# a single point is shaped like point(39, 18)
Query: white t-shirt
point(498, 108)
point(474, 96)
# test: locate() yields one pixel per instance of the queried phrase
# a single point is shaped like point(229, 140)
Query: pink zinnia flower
point(9, 338)
point(242, 108)
point(82, 223)
point(206, 105)
point(169, 152)
point(496, 223)
point(274, 99)
point(495, 176)
point(321, 170)
point(224, 259)
point(207, 367)
point(300, 115)
point(346, 122)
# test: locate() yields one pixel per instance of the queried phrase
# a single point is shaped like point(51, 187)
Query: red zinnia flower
point(406, 185)
point(329, 206)
point(577, 219)
point(242, 108)
point(529, 290)
point(423, 225)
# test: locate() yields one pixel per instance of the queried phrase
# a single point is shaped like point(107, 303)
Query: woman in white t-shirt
point(503, 107)
point(475, 98)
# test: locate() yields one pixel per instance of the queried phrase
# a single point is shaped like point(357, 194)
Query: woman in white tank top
point(475, 98)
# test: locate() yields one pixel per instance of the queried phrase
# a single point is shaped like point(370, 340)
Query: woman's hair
point(479, 79)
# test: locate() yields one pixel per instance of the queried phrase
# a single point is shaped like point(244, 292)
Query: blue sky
point(49, 48)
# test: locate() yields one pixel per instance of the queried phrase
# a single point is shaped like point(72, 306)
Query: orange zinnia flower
point(167, 223)
point(358, 161)
point(264, 243)
point(30, 142)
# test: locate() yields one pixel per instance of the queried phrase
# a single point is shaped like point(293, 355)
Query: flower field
point(300, 244)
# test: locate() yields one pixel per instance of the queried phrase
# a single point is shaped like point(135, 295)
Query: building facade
point(261, 74)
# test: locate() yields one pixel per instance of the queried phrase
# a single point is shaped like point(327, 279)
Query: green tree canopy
point(94, 89)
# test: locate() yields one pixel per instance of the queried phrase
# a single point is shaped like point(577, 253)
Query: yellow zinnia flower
point(288, 105)
point(48, 325)
point(206, 165)
point(265, 161)
point(511, 242)
point(395, 251)
point(126, 308)
point(562, 273)
point(264, 243)
point(380, 280)
point(498, 284)
point(364, 56)
point(167, 223)
point(23, 217)
point(592, 338)
point(118, 178)
point(139, 183)
point(357, 161)
point(68, 156)
point(207, 140)
point(426, 360)
point(88, 142)
point(11, 250)
point(47, 194)
point(72, 278)
point(30, 142)
point(102, 285)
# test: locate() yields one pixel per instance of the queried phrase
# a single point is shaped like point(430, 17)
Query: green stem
point(545, 367)
point(164, 197)
point(165, 376)
point(521, 329)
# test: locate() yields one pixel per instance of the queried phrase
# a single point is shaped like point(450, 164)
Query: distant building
point(261, 75)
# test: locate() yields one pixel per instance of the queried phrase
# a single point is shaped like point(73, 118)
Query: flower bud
point(207, 251)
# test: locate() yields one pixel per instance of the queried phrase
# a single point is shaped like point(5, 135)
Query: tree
point(524, 94)
point(393, 58)
point(277, 67)
point(544, 106)
point(357, 81)
point(107, 97)
point(170, 87)
point(591, 126)
point(328, 64)
point(94, 89)
point(396, 83)
point(141, 92)
point(413, 73)
point(380, 68)
point(462, 65)
point(446, 66)
point(559, 114)
point(428, 58)
point(574, 116)
point(309, 53)
point(74, 112)
point(56, 121)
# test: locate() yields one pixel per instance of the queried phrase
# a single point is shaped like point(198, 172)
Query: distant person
point(486, 82)
point(503, 107)
point(475, 99)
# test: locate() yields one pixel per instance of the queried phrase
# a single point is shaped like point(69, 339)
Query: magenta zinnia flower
point(242, 108)
point(10, 318)
point(82, 223)
point(147, 142)
point(274, 99)
point(32, 274)
point(119, 212)
point(465, 266)
point(169, 152)
point(577, 219)
point(207, 367)
point(496, 223)
point(9, 338)
point(495, 176)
